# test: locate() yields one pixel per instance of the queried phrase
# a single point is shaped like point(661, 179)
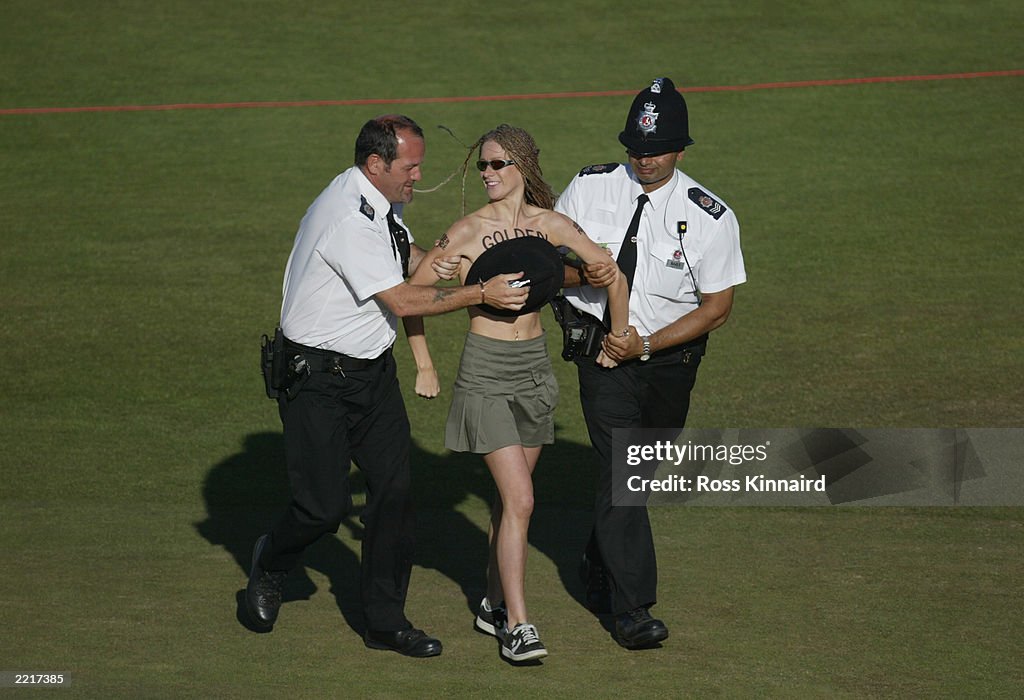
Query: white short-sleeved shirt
point(343, 255)
point(602, 199)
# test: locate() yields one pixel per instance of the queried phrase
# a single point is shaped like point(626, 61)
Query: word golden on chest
point(493, 239)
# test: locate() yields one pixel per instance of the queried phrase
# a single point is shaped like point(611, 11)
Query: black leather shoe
point(638, 630)
point(263, 594)
point(411, 642)
point(599, 589)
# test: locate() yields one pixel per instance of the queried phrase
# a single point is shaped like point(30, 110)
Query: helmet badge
point(647, 119)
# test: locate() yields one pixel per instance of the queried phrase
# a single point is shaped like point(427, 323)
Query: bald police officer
point(678, 245)
point(343, 289)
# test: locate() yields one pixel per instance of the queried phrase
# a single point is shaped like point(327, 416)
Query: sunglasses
point(481, 165)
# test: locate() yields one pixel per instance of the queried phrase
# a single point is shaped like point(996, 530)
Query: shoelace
point(639, 615)
point(527, 632)
point(270, 584)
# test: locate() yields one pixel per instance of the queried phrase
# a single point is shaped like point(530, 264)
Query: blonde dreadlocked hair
point(520, 147)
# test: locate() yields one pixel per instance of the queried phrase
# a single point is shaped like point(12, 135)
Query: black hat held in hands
point(538, 260)
point(657, 121)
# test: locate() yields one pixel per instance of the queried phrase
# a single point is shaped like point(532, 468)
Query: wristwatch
point(647, 348)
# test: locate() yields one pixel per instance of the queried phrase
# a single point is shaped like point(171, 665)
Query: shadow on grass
point(247, 492)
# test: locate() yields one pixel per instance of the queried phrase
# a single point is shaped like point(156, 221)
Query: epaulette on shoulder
point(365, 208)
point(709, 204)
point(598, 169)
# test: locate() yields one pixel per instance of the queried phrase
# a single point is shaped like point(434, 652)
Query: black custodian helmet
point(657, 121)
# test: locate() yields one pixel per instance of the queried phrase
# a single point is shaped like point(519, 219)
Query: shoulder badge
point(597, 169)
point(365, 208)
point(706, 202)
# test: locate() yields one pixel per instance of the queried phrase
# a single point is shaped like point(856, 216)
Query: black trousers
point(647, 395)
point(334, 420)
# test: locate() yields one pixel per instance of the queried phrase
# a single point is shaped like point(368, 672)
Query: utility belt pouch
point(581, 333)
point(272, 358)
point(282, 371)
point(297, 371)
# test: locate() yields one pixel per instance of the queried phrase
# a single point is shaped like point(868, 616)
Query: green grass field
point(143, 253)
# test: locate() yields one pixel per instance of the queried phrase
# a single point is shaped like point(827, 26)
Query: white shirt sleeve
point(566, 203)
point(721, 266)
point(361, 254)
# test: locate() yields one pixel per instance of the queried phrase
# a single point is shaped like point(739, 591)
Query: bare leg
point(494, 593)
point(512, 468)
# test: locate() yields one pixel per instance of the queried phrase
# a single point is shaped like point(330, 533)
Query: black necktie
point(399, 241)
point(627, 254)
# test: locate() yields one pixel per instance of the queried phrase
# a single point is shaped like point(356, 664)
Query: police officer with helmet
point(678, 245)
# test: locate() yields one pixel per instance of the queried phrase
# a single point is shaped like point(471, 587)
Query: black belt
point(694, 348)
point(329, 361)
point(687, 352)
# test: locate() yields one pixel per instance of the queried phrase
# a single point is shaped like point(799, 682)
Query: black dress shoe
point(598, 588)
point(638, 630)
point(411, 642)
point(263, 593)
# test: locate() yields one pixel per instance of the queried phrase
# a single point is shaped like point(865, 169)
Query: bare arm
point(573, 277)
point(595, 266)
point(428, 384)
point(597, 274)
point(712, 313)
point(415, 257)
point(445, 268)
point(570, 234)
point(408, 299)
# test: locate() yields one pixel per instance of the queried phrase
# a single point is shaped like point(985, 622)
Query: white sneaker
point(491, 620)
point(522, 643)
